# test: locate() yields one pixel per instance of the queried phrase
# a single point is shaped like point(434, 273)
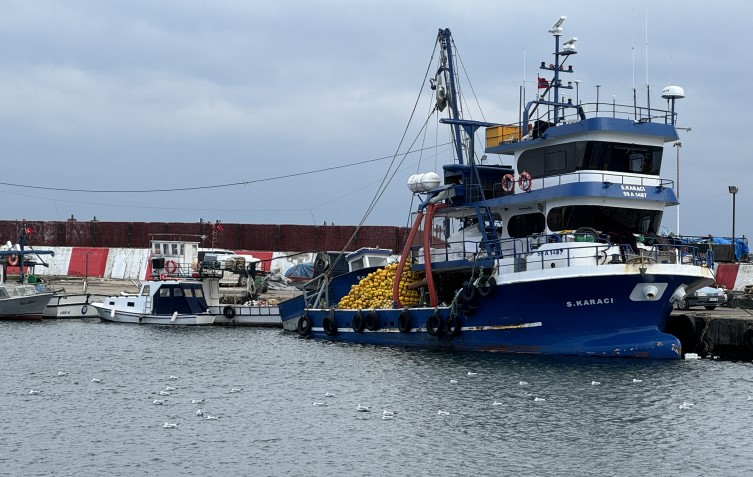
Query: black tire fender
point(330, 325)
point(452, 325)
point(434, 325)
point(358, 323)
point(487, 286)
point(404, 322)
point(304, 325)
point(372, 321)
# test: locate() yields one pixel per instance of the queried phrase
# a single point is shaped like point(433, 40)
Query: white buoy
point(174, 317)
point(423, 182)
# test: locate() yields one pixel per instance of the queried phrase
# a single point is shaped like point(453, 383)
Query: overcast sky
point(145, 94)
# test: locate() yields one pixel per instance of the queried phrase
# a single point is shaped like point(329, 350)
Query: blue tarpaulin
point(301, 270)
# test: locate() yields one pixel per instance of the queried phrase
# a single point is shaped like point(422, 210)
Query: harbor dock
point(726, 333)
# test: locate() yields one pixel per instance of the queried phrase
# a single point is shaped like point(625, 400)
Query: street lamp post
point(733, 191)
point(678, 145)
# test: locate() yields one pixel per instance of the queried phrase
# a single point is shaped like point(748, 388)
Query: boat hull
point(604, 315)
point(117, 316)
point(247, 315)
point(28, 307)
point(70, 306)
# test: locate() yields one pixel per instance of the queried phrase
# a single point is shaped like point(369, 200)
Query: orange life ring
point(525, 181)
point(508, 183)
point(13, 260)
point(171, 266)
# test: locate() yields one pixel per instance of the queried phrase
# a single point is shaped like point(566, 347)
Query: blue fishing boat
point(555, 250)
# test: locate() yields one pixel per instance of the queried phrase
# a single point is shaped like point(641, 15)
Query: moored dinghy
point(159, 302)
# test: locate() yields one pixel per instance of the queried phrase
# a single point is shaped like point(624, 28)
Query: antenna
point(648, 88)
point(557, 27)
point(671, 93)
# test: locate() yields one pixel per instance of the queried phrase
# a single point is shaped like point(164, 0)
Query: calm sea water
point(490, 423)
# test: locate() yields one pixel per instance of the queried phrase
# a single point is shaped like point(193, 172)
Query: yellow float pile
point(375, 290)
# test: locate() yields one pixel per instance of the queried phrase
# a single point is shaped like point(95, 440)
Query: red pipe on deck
point(432, 208)
point(404, 257)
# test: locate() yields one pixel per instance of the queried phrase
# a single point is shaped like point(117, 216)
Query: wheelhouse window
point(604, 219)
point(525, 224)
point(617, 157)
point(591, 155)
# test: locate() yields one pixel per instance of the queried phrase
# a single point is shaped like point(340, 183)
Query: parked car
point(707, 297)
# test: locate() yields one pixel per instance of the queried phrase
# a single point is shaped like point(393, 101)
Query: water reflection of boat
point(538, 256)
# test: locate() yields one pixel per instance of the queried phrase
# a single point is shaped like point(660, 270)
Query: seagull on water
point(595, 383)
point(211, 418)
point(527, 394)
point(236, 390)
point(637, 380)
point(387, 417)
point(360, 408)
point(522, 383)
point(169, 388)
point(453, 381)
point(173, 377)
point(538, 399)
point(750, 398)
point(164, 393)
point(329, 395)
point(96, 380)
point(495, 403)
point(62, 373)
point(199, 412)
point(197, 401)
point(470, 373)
point(169, 425)
point(443, 413)
point(686, 405)
point(318, 403)
point(158, 401)
point(388, 413)
point(34, 391)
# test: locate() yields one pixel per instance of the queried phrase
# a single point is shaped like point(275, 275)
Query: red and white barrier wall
point(735, 276)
